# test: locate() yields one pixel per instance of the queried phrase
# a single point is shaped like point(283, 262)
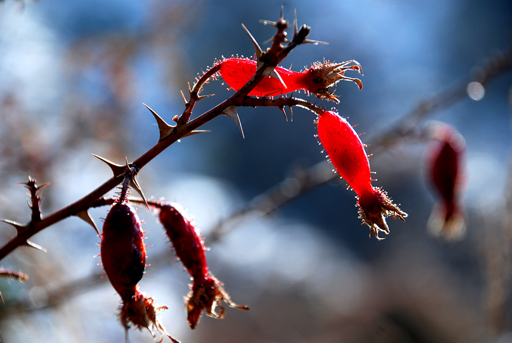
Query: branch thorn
point(282, 110)
point(271, 71)
point(232, 113)
point(259, 52)
point(196, 132)
point(117, 169)
point(34, 245)
point(19, 227)
point(183, 96)
point(84, 215)
point(164, 128)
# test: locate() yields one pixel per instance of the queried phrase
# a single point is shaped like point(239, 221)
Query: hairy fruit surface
point(318, 79)
point(348, 156)
point(122, 249)
point(207, 292)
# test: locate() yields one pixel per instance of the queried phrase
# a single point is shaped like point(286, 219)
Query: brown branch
point(183, 128)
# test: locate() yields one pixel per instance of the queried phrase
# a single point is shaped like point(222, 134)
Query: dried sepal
point(322, 76)
point(373, 209)
point(140, 310)
point(207, 294)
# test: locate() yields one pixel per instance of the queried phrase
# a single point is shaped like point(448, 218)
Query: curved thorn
point(295, 28)
point(84, 215)
point(135, 185)
point(268, 22)
point(117, 169)
point(314, 42)
point(233, 114)
point(282, 110)
point(183, 97)
point(164, 128)
point(204, 96)
point(34, 245)
point(271, 71)
point(196, 132)
point(259, 52)
point(19, 227)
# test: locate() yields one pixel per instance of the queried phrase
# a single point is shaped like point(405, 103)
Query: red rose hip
point(207, 292)
point(348, 156)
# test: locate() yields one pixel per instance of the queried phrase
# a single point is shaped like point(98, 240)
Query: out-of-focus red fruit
point(445, 163)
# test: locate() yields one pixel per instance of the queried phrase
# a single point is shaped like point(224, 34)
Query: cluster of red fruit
point(123, 255)
point(122, 248)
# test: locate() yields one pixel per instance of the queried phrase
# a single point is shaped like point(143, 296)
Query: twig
point(184, 127)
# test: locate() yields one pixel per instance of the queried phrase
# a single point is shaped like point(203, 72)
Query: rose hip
point(122, 249)
point(207, 292)
point(347, 153)
point(236, 72)
point(123, 256)
point(445, 156)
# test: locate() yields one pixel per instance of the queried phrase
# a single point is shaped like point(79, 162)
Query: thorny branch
point(299, 183)
point(168, 134)
point(304, 180)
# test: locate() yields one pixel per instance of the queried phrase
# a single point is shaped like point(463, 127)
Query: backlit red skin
point(318, 79)
point(346, 151)
point(122, 249)
point(186, 240)
point(207, 292)
point(236, 72)
point(347, 154)
point(123, 256)
point(445, 163)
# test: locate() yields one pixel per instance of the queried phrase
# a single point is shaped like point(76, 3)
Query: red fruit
point(346, 152)
point(123, 256)
point(185, 238)
point(207, 292)
point(236, 72)
point(122, 249)
point(445, 158)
